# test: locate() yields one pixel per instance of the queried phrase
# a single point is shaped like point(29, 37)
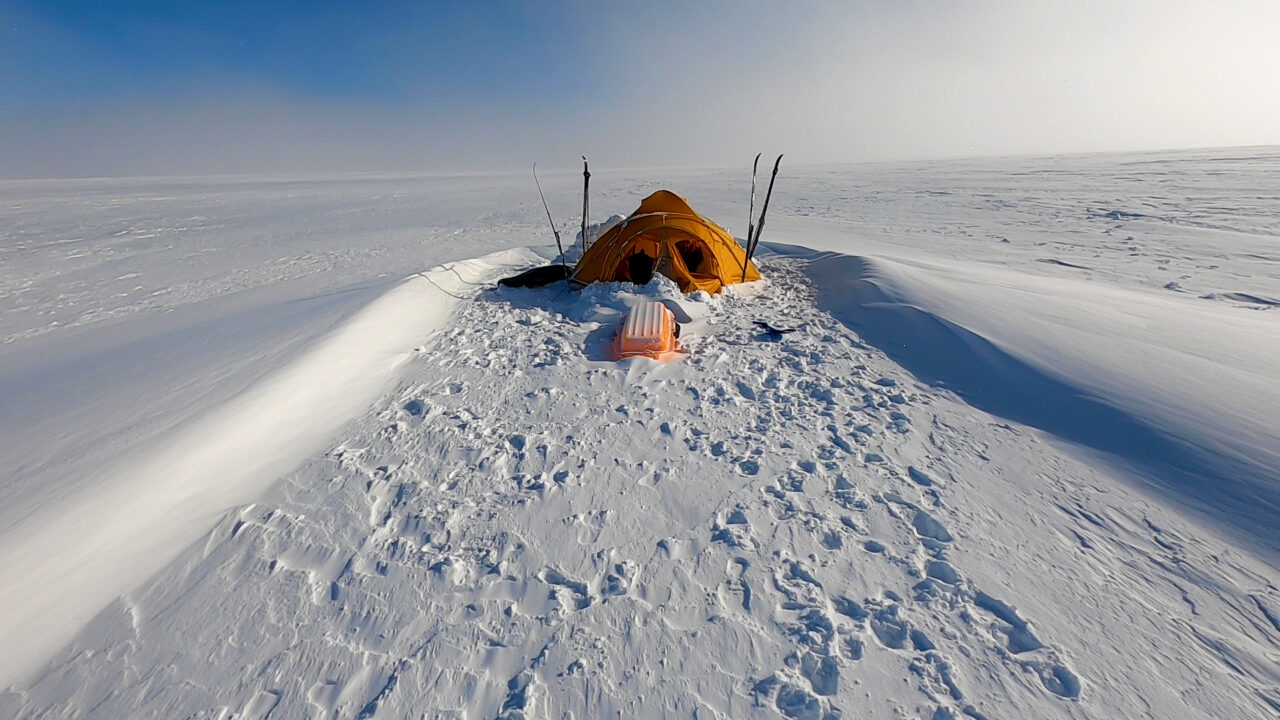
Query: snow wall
point(1183, 392)
point(64, 564)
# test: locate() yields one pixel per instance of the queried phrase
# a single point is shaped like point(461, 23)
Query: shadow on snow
point(1236, 494)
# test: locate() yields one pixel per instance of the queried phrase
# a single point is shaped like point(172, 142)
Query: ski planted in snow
point(755, 241)
point(586, 206)
point(751, 213)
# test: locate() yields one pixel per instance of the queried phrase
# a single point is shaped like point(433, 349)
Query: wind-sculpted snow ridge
point(779, 526)
point(1185, 393)
point(137, 514)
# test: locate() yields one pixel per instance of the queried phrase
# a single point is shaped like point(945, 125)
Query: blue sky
point(73, 51)
point(105, 88)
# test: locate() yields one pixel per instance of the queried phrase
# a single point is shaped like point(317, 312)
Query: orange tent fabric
point(686, 247)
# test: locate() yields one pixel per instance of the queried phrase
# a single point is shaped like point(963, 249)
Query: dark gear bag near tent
point(665, 235)
point(536, 277)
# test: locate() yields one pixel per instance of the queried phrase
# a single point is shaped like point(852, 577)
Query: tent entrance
point(696, 256)
point(639, 267)
point(677, 255)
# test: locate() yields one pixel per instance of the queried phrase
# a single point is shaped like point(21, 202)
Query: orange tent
point(665, 235)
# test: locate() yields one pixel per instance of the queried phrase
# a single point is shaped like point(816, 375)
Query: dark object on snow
point(774, 330)
point(537, 277)
point(640, 268)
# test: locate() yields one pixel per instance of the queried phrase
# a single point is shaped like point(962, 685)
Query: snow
point(168, 496)
point(1017, 459)
point(1186, 392)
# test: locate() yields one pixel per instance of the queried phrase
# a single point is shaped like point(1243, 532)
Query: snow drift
point(147, 507)
point(1186, 393)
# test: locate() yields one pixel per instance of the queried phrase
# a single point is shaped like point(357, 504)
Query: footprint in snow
point(831, 540)
point(736, 585)
point(733, 530)
point(919, 477)
point(1059, 680)
point(1056, 677)
point(579, 596)
point(822, 671)
point(942, 572)
point(847, 495)
point(1019, 638)
point(617, 580)
point(928, 527)
point(888, 628)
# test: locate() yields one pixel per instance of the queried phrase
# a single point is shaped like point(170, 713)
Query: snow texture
point(1008, 464)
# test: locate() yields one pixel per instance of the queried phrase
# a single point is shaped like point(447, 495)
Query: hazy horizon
point(150, 89)
point(573, 166)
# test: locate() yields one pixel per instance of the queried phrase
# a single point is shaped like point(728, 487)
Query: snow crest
point(149, 506)
point(1186, 393)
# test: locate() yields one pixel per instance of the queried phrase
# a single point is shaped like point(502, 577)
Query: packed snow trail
point(791, 528)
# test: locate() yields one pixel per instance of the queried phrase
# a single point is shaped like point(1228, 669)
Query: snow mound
point(147, 507)
point(1186, 393)
point(594, 231)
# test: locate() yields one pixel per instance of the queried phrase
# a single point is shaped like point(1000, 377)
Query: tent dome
point(666, 236)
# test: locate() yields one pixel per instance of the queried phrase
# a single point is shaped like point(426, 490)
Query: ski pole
point(553, 222)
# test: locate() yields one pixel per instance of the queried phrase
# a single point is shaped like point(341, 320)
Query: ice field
point(277, 447)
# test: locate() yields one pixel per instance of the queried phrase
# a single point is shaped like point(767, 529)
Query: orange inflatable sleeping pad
point(649, 330)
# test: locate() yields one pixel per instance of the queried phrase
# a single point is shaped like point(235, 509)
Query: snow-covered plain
point(272, 448)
